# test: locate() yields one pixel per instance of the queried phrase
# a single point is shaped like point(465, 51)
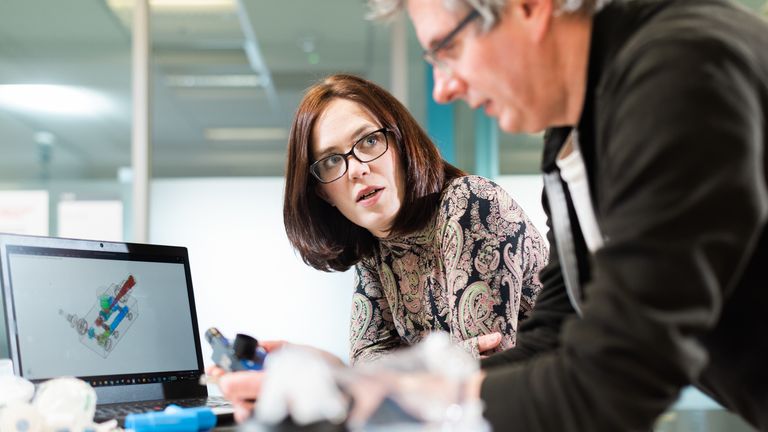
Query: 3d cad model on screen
point(108, 320)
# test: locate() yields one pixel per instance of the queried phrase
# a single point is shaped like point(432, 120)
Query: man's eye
point(447, 50)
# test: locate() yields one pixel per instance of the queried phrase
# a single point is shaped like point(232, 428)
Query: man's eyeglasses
point(431, 55)
point(366, 149)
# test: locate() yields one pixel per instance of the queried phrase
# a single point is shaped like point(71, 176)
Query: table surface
point(694, 412)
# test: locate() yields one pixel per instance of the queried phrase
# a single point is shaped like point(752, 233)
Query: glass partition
point(64, 112)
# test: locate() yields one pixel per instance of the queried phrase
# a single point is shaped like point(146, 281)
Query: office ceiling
point(212, 114)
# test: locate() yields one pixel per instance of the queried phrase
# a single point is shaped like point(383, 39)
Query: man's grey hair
point(489, 10)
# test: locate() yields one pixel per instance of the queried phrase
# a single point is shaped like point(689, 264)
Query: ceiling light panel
point(246, 134)
point(195, 81)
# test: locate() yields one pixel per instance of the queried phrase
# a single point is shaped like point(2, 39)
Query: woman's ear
point(324, 195)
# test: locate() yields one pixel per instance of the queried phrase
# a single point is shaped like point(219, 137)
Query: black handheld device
point(244, 354)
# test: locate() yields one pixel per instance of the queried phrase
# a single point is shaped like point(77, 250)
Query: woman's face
point(368, 194)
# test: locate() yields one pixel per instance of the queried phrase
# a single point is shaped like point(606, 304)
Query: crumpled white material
point(299, 383)
point(20, 417)
point(60, 404)
point(427, 381)
point(14, 389)
point(66, 403)
point(418, 388)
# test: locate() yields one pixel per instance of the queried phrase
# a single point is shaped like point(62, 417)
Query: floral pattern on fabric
point(473, 270)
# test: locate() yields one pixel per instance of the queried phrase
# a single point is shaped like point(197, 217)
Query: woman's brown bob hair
point(325, 239)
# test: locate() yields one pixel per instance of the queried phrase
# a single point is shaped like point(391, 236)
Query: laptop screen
point(110, 313)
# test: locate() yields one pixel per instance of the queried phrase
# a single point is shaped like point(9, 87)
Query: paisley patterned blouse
point(473, 270)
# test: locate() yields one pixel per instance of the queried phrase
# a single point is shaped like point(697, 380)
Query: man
point(655, 171)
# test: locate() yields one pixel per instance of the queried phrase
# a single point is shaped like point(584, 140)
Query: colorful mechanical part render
point(110, 318)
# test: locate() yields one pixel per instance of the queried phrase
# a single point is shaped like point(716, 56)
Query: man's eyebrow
point(435, 41)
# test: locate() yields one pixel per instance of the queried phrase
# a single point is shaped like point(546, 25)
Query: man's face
point(504, 71)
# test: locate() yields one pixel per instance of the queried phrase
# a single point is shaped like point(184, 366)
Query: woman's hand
point(480, 346)
point(486, 343)
point(243, 388)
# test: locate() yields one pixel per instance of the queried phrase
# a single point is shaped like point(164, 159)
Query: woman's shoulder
point(468, 194)
point(369, 263)
point(471, 187)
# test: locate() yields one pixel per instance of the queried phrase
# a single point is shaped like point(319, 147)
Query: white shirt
point(573, 172)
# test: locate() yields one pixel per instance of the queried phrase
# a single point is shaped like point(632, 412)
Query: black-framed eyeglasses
point(367, 149)
point(431, 55)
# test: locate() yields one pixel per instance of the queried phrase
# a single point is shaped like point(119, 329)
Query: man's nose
point(448, 86)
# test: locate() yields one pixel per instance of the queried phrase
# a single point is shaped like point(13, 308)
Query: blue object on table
point(173, 418)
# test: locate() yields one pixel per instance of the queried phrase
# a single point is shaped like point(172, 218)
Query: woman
point(433, 248)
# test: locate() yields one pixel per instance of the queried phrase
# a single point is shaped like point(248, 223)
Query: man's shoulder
point(685, 47)
point(691, 30)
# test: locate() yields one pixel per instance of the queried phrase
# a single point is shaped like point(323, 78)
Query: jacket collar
point(612, 27)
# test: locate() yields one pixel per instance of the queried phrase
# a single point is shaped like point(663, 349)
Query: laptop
point(119, 316)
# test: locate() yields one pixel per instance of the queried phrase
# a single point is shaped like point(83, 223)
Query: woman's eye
point(372, 140)
point(332, 161)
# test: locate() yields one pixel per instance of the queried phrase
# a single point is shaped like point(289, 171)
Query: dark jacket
point(673, 136)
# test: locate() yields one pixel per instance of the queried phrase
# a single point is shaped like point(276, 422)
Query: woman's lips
point(371, 198)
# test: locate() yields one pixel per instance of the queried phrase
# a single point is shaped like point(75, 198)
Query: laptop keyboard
point(120, 410)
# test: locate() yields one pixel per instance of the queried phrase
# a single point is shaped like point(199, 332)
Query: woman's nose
point(355, 168)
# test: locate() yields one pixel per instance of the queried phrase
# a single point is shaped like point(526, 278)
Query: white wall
point(246, 276)
point(526, 191)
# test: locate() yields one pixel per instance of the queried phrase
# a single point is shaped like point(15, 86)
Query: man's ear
point(323, 195)
point(534, 15)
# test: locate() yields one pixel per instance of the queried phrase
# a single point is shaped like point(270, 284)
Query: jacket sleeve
point(680, 200)
point(372, 332)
